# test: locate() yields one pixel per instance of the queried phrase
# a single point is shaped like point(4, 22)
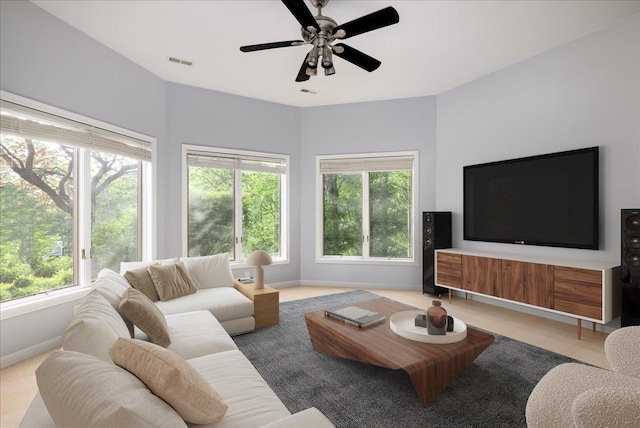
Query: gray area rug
point(492, 392)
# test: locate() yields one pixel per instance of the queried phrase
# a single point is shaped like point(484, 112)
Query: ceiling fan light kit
point(321, 31)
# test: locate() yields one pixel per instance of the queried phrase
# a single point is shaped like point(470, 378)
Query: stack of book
point(355, 316)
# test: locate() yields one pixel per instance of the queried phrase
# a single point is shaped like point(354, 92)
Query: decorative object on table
point(258, 259)
point(449, 323)
point(437, 319)
point(355, 316)
point(421, 320)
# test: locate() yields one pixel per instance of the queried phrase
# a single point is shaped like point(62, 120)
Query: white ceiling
point(436, 46)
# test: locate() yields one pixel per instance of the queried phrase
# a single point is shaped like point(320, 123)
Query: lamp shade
point(259, 258)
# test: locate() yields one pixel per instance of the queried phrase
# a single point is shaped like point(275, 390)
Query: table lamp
point(258, 259)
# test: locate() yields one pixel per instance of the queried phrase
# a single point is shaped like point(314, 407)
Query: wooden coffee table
point(431, 367)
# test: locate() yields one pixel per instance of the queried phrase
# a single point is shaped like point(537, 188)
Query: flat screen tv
point(549, 200)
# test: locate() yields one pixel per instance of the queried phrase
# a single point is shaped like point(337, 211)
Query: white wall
point(582, 94)
point(397, 125)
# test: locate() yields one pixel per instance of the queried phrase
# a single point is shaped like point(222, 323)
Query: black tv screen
point(549, 200)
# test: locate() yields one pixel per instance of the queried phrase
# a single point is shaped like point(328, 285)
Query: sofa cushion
point(111, 286)
point(252, 403)
point(143, 313)
point(95, 327)
point(225, 303)
point(125, 266)
point(210, 271)
point(171, 281)
point(171, 378)
point(80, 390)
point(141, 281)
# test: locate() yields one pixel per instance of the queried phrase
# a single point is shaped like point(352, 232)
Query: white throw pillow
point(125, 266)
point(80, 390)
point(210, 271)
point(94, 328)
point(110, 286)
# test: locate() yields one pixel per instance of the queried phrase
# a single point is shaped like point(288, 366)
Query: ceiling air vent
point(180, 61)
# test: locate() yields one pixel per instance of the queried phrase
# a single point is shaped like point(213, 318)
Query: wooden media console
point(580, 289)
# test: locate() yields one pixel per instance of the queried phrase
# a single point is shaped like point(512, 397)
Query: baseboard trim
point(31, 351)
point(345, 284)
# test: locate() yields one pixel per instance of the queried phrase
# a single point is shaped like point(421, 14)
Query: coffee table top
point(379, 345)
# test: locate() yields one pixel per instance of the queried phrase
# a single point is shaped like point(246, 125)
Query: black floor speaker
point(630, 267)
point(436, 235)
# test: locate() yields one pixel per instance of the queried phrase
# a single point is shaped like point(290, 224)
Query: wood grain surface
point(431, 367)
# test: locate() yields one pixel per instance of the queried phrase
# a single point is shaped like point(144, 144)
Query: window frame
point(366, 259)
point(82, 269)
point(285, 198)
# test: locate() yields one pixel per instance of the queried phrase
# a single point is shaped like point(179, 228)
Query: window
point(366, 208)
point(236, 203)
point(70, 200)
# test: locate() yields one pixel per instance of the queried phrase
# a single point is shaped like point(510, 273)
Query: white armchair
point(577, 395)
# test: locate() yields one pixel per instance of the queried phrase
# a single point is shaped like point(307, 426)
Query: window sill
point(369, 261)
point(41, 301)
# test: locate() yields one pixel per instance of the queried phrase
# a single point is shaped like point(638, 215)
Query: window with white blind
point(72, 198)
point(236, 203)
point(366, 208)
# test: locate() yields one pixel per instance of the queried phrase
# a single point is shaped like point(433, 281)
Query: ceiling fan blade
point(263, 46)
point(354, 56)
point(302, 74)
point(300, 11)
point(373, 21)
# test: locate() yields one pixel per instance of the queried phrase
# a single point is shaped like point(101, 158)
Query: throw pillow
point(94, 327)
point(171, 378)
point(142, 312)
point(111, 289)
point(81, 390)
point(125, 266)
point(141, 281)
point(210, 271)
point(171, 281)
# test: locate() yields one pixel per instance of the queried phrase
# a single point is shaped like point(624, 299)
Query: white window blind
point(233, 162)
point(366, 164)
point(25, 122)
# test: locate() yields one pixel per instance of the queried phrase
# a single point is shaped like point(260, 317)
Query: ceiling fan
point(321, 32)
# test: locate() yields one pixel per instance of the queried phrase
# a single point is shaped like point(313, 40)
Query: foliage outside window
point(69, 201)
point(367, 207)
point(236, 203)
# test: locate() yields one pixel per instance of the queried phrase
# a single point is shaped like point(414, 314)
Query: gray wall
point(216, 119)
point(46, 60)
point(408, 124)
point(582, 94)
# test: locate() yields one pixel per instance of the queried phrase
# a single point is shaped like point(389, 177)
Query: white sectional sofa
point(82, 386)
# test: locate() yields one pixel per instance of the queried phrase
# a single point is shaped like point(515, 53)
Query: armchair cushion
point(622, 348)
point(607, 407)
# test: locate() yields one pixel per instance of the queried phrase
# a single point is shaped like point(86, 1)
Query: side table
point(266, 303)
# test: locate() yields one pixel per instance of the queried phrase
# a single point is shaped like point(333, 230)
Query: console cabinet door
point(530, 283)
point(481, 274)
point(578, 291)
point(449, 270)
